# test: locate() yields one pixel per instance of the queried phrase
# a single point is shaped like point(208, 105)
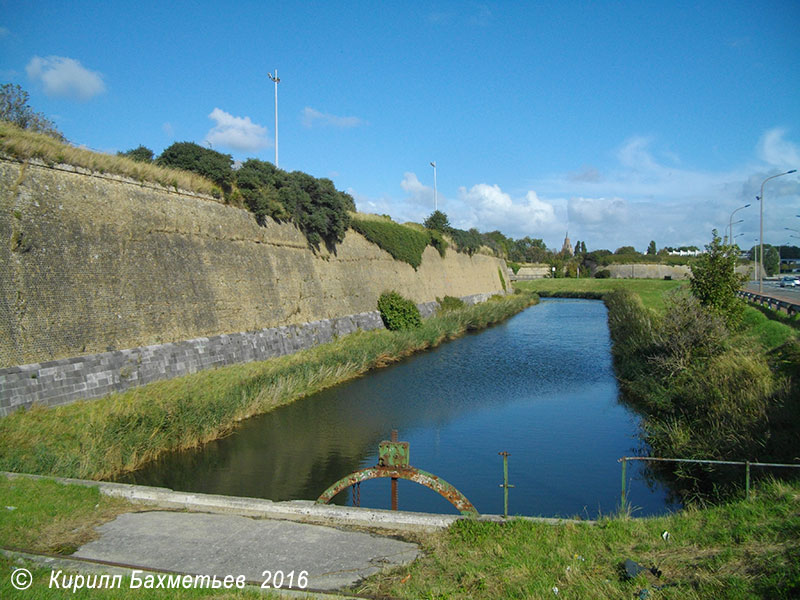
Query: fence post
point(624, 469)
point(747, 480)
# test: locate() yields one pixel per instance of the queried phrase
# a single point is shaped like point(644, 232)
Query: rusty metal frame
point(437, 484)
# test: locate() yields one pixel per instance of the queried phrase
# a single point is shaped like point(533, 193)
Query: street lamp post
point(729, 235)
point(277, 80)
point(761, 230)
point(435, 205)
point(730, 231)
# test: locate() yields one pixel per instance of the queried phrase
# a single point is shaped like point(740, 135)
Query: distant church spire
point(567, 247)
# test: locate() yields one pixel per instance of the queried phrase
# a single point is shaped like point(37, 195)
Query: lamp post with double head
point(761, 230)
point(730, 221)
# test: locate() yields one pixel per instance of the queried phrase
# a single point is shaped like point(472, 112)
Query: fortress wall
point(92, 265)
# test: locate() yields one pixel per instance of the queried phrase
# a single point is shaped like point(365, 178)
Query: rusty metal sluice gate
point(393, 462)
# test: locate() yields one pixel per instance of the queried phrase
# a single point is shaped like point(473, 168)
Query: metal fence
point(746, 463)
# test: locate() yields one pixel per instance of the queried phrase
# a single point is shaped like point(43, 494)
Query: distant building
point(686, 252)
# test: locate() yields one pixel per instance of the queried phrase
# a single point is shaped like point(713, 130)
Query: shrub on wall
point(438, 242)
point(397, 312)
point(603, 274)
point(402, 242)
point(206, 162)
point(314, 205)
point(502, 279)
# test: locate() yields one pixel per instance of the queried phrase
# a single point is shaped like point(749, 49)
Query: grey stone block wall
point(96, 375)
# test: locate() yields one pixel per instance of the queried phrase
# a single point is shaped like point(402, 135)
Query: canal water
point(539, 386)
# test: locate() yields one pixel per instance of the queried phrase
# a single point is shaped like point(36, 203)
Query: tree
point(714, 282)
point(651, 249)
point(771, 258)
point(14, 109)
point(140, 154)
point(437, 221)
point(625, 250)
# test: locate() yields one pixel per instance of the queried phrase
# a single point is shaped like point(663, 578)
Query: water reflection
point(539, 386)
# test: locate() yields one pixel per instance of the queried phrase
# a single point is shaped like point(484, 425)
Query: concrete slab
point(215, 544)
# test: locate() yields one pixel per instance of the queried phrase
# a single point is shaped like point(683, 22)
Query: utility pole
point(277, 80)
point(435, 207)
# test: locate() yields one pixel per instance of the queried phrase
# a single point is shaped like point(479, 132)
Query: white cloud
point(646, 194)
point(491, 208)
point(65, 77)
point(774, 150)
point(313, 117)
point(238, 133)
point(414, 186)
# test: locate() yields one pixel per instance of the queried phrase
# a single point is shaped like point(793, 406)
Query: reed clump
point(101, 438)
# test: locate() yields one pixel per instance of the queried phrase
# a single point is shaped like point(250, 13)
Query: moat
point(539, 386)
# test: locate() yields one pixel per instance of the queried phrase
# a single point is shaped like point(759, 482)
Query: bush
point(437, 221)
point(450, 303)
point(467, 242)
point(140, 154)
point(715, 283)
point(314, 205)
point(402, 242)
point(398, 313)
point(438, 242)
point(318, 209)
point(192, 157)
point(502, 279)
point(603, 274)
point(14, 109)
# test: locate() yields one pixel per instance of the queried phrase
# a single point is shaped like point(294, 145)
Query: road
point(772, 288)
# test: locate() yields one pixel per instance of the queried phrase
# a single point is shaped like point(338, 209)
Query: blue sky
point(619, 121)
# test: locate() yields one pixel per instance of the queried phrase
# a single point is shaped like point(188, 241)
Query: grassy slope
point(742, 549)
point(25, 145)
point(736, 550)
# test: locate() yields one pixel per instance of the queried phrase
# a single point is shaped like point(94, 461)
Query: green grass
point(739, 549)
point(650, 290)
point(742, 549)
point(101, 438)
point(50, 517)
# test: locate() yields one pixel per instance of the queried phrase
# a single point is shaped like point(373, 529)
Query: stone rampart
point(66, 380)
point(92, 265)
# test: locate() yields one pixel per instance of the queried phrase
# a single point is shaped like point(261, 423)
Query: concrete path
point(212, 544)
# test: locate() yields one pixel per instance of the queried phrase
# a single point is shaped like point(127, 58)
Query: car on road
point(789, 282)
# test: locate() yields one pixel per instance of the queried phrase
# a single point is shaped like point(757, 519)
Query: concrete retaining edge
point(305, 511)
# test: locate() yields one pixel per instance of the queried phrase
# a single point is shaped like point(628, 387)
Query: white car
point(789, 282)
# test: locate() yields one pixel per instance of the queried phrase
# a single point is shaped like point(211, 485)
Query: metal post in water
point(505, 485)
point(624, 469)
point(394, 479)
